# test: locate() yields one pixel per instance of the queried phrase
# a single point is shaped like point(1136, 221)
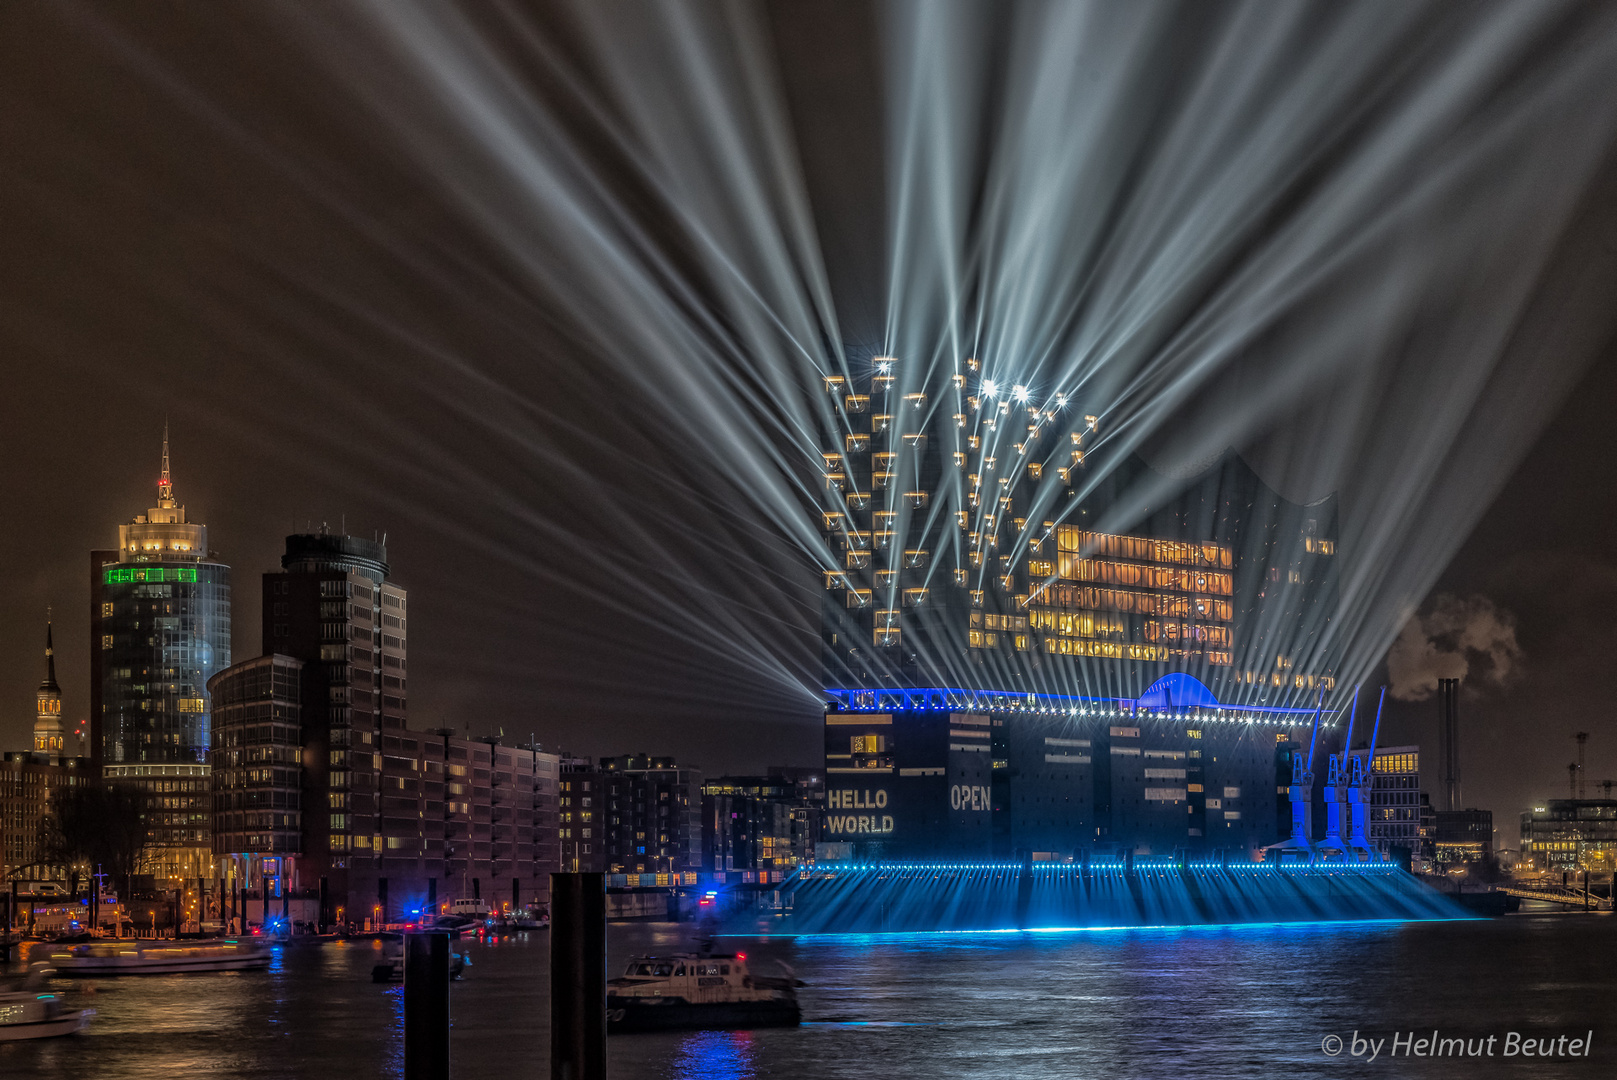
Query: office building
point(631, 814)
point(322, 789)
point(28, 781)
point(333, 608)
point(159, 630)
point(1395, 801)
point(749, 829)
point(1023, 658)
point(1570, 834)
point(258, 758)
point(1464, 836)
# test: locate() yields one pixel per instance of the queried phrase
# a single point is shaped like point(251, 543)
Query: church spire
point(48, 732)
point(50, 662)
point(165, 485)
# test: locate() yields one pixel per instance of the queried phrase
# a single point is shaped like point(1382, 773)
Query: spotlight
point(1020, 393)
point(989, 389)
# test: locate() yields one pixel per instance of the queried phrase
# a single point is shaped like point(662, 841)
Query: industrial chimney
point(1448, 704)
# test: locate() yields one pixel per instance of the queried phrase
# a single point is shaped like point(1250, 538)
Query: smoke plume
point(1447, 640)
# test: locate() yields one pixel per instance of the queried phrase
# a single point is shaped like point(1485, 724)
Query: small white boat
point(130, 957)
point(31, 1013)
point(39, 1016)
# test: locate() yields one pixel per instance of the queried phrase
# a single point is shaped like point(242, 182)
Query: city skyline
point(949, 537)
point(1417, 720)
point(306, 396)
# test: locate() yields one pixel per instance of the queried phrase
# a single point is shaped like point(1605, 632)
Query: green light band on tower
point(122, 575)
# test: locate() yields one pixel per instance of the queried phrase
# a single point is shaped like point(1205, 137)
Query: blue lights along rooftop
point(1097, 867)
point(1173, 697)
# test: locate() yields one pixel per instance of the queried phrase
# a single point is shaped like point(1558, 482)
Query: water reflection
point(716, 1055)
point(1200, 1003)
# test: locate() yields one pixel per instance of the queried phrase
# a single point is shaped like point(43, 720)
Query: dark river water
point(1211, 1002)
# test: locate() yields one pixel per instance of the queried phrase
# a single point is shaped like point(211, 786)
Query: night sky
point(199, 224)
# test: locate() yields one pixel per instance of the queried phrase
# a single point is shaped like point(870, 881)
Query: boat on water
point(133, 957)
point(526, 919)
point(390, 969)
point(33, 1013)
point(687, 990)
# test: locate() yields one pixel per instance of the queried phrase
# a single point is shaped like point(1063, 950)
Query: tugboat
point(29, 1014)
point(686, 990)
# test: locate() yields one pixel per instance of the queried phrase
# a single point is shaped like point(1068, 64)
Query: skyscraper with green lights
point(159, 630)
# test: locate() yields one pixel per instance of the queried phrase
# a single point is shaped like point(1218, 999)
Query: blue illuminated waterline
point(929, 898)
point(1328, 925)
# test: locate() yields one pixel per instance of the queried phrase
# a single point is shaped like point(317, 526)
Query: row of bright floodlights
point(954, 701)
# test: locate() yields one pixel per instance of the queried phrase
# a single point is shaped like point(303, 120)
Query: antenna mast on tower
point(165, 484)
